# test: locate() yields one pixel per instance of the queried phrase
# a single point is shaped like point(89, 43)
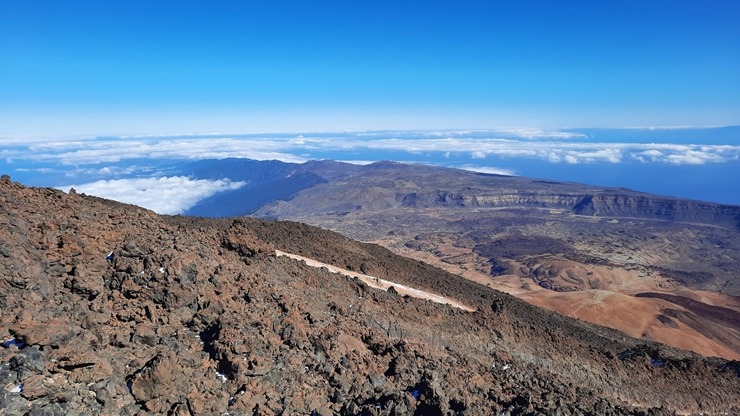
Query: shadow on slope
point(266, 181)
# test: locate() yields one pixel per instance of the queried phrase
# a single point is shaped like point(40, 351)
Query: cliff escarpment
point(607, 203)
point(611, 204)
point(385, 185)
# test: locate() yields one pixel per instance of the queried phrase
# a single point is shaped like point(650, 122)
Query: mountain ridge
point(588, 200)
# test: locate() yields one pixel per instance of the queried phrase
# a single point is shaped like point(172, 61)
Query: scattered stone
point(93, 326)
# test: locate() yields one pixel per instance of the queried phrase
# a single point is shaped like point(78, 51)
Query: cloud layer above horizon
point(549, 146)
point(151, 171)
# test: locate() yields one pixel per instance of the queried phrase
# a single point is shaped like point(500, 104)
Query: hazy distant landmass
point(694, 163)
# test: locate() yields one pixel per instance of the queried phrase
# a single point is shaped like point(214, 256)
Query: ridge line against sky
point(691, 163)
point(142, 67)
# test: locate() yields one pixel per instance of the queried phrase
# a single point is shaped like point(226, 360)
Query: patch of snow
point(17, 389)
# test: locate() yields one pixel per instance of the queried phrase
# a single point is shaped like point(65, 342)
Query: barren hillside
point(110, 309)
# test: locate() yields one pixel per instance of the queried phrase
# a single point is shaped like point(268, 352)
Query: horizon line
point(348, 131)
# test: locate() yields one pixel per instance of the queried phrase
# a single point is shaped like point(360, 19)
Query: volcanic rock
point(116, 310)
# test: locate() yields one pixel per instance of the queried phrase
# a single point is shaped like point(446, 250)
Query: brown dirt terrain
point(616, 304)
point(559, 277)
point(110, 309)
point(579, 243)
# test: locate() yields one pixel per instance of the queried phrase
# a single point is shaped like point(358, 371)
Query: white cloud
point(692, 158)
point(652, 153)
point(687, 154)
point(571, 159)
point(26, 140)
point(112, 151)
point(488, 169)
point(530, 133)
point(550, 146)
point(592, 156)
point(108, 170)
point(165, 195)
point(358, 162)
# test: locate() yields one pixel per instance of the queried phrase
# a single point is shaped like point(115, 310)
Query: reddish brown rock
point(156, 379)
point(52, 333)
point(196, 316)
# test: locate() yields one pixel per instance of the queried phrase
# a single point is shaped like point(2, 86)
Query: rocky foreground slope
point(111, 309)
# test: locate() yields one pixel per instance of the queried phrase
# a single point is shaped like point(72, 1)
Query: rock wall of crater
point(605, 204)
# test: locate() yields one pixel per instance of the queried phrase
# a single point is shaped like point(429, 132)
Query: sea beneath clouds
point(694, 163)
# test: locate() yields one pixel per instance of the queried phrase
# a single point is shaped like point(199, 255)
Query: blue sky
point(156, 67)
